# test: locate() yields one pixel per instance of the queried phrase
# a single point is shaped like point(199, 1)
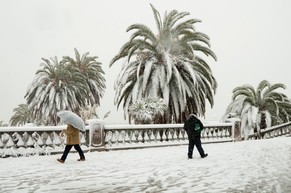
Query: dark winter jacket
point(189, 126)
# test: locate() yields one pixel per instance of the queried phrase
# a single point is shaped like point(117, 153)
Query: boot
point(61, 161)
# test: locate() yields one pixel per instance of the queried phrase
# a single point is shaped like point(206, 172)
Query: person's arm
point(67, 131)
point(201, 124)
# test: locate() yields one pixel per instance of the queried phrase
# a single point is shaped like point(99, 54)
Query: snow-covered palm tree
point(146, 111)
point(2, 124)
point(22, 115)
point(55, 87)
point(260, 108)
point(93, 72)
point(167, 65)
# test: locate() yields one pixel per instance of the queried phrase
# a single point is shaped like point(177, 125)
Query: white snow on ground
point(247, 166)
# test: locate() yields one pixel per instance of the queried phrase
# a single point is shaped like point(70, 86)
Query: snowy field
point(248, 166)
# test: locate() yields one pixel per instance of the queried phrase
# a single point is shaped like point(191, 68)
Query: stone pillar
point(236, 128)
point(96, 133)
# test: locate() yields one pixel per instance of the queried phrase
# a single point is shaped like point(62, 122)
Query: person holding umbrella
point(75, 124)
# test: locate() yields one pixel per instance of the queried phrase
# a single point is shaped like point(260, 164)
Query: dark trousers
point(69, 147)
point(195, 141)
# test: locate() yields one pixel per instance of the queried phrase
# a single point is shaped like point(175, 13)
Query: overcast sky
point(250, 38)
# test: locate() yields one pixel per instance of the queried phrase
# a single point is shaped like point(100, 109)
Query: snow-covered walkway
point(247, 166)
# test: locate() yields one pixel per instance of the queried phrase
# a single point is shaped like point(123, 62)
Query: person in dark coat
point(193, 127)
point(73, 139)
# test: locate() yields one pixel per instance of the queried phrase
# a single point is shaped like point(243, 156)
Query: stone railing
point(153, 135)
point(44, 140)
point(275, 131)
point(31, 140)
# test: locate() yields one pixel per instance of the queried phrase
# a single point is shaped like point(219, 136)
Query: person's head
point(192, 116)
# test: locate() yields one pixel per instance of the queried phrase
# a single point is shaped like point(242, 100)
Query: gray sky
point(250, 38)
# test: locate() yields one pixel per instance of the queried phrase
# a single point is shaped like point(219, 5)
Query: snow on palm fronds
point(90, 112)
point(166, 65)
point(2, 124)
point(259, 108)
point(146, 110)
point(69, 84)
point(22, 115)
point(93, 74)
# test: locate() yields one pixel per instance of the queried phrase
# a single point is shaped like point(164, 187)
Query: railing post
point(236, 128)
point(96, 134)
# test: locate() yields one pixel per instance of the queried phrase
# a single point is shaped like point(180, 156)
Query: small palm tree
point(22, 115)
point(55, 87)
point(2, 124)
point(92, 71)
point(147, 111)
point(262, 107)
point(167, 65)
point(90, 112)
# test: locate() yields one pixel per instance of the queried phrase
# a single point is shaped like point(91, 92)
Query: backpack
point(197, 127)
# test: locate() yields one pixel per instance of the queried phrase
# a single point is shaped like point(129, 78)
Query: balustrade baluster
point(180, 136)
point(167, 135)
point(10, 142)
point(216, 132)
point(163, 136)
point(40, 141)
point(175, 136)
point(29, 142)
point(121, 137)
point(146, 136)
point(220, 132)
point(139, 138)
point(223, 132)
point(159, 135)
point(17, 137)
point(49, 141)
point(266, 136)
point(170, 135)
point(207, 133)
point(151, 135)
point(228, 132)
point(128, 137)
point(56, 139)
point(213, 134)
point(108, 137)
point(114, 138)
point(1, 143)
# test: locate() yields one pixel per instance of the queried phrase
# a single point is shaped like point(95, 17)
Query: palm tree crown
point(266, 99)
point(22, 115)
point(66, 85)
point(167, 65)
point(55, 87)
point(93, 73)
point(146, 111)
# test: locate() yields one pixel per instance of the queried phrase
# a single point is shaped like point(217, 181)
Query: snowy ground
point(248, 166)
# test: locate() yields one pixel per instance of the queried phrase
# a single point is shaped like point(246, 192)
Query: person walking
point(193, 127)
point(73, 139)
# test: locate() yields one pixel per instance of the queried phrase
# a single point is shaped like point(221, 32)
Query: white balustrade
point(275, 131)
point(31, 141)
point(138, 136)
